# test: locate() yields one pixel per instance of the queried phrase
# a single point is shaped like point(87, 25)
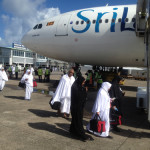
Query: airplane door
point(62, 27)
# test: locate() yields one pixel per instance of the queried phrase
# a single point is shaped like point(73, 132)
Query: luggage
point(97, 125)
point(115, 118)
point(34, 84)
point(56, 105)
point(22, 85)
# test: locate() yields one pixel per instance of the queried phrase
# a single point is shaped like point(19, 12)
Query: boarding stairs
point(143, 30)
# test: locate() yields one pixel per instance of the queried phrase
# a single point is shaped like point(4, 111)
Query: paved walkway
point(32, 125)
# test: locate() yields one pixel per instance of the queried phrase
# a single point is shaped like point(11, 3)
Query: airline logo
point(100, 16)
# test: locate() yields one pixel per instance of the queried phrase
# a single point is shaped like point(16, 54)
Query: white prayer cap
point(2, 68)
point(106, 86)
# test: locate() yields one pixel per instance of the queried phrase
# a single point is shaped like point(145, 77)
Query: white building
point(18, 54)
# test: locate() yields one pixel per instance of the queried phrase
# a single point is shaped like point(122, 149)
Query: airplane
point(104, 36)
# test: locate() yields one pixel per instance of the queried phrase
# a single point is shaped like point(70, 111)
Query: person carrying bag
point(97, 125)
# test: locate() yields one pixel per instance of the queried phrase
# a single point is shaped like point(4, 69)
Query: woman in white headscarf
point(3, 78)
point(28, 80)
point(102, 108)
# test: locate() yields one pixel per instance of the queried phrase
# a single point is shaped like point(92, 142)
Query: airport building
point(18, 54)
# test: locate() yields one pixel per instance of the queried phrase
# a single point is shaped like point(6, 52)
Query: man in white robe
point(3, 78)
point(28, 80)
point(63, 93)
point(102, 108)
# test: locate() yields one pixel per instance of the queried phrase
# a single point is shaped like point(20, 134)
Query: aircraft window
point(82, 22)
point(88, 22)
point(113, 20)
point(133, 19)
point(119, 20)
point(77, 22)
point(35, 27)
point(94, 21)
point(126, 20)
point(106, 21)
point(100, 21)
point(39, 26)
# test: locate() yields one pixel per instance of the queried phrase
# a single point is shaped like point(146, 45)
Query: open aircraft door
point(62, 26)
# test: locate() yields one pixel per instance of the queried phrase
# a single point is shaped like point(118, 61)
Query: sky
point(19, 16)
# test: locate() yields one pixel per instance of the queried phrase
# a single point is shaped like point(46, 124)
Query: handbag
point(97, 125)
point(56, 105)
point(22, 85)
point(115, 119)
point(34, 84)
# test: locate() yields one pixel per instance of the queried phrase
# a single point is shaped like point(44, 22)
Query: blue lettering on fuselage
point(99, 16)
point(84, 19)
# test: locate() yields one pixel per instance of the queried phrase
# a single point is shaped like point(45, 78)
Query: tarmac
point(33, 125)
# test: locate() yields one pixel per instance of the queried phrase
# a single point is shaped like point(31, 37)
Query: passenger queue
point(71, 94)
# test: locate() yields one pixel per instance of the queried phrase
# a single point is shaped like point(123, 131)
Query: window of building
point(18, 53)
point(29, 54)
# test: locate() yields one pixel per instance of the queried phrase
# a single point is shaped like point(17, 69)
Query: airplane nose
point(25, 40)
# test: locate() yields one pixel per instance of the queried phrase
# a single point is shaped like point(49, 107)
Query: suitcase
point(97, 125)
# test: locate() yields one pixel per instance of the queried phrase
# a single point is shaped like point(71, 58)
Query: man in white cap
point(3, 78)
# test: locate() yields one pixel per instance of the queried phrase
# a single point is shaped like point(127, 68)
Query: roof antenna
point(106, 5)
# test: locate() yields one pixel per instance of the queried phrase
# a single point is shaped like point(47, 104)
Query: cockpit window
point(35, 27)
point(39, 26)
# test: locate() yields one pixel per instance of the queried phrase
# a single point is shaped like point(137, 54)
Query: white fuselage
point(97, 36)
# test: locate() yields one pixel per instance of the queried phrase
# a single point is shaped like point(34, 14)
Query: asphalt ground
point(33, 125)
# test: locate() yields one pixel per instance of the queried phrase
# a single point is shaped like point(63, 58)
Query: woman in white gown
point(102, 108)
point(3, 78)
point(28, 80)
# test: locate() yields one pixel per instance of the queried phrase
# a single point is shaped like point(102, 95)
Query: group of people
point(72, 94)
point(13, 71)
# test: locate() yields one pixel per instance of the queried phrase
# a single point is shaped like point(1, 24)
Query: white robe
point(3, 78)
point(29, 85)
point(63, 93)
point(102, 105)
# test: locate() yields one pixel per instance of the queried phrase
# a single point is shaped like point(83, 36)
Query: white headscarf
point(29, 77)
point(102, 101)
point(3, 75)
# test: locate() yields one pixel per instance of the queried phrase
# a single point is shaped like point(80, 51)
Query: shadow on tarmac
point(52, 129)
point(15, 97)
point(43, 113)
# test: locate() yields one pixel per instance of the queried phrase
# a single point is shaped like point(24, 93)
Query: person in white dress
point(102, 108)
point(63, 93)
point(3, 78)
point(28, 80)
